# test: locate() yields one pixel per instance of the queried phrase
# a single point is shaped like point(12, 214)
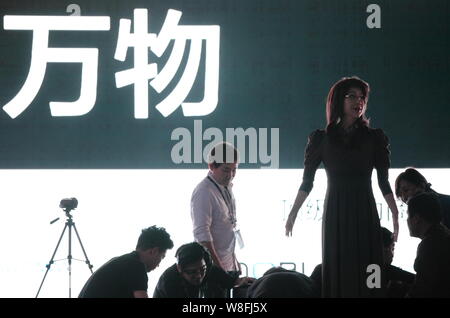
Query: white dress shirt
point(214, 219)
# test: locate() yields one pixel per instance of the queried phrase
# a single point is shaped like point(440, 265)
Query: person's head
point(276, 269)
point(388, 245)
point(347, 100)
point(152, 246)
point(193, 261)
point(410, 183)
point(424, 211)
point(223, 162)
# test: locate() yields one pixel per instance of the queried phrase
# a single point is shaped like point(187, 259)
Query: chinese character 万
point(41, 55)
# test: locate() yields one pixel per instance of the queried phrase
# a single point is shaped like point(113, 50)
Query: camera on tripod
point(68, 204)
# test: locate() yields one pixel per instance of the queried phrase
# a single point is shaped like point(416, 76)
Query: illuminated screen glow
point(115, 205)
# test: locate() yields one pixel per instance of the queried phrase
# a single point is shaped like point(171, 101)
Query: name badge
point(238, 235)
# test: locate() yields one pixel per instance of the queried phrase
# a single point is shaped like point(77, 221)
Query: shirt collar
point(229, 187)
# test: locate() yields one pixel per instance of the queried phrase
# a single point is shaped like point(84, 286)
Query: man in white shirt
point(213, 208)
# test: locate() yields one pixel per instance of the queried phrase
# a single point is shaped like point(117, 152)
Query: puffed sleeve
point(382, 161)
point(313, 158)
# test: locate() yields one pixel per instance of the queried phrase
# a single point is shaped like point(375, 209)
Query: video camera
point(68, 204)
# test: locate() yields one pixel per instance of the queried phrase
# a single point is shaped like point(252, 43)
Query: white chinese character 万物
point(41, 55)
point(142, 72)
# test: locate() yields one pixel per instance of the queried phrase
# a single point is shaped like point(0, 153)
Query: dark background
point(278, 59)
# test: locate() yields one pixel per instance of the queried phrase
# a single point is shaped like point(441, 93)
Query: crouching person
point(432, 263)
point(194, 276)
point(126, 276)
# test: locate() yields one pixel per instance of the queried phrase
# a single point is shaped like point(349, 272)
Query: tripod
point(69, 224)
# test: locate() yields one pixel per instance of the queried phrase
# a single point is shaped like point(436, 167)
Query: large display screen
point(152, 84)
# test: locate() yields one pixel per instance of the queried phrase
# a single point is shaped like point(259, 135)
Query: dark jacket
point(399, 281)
point(283, 284)
point(444, 200)
point(432, 264)
point(215, 284)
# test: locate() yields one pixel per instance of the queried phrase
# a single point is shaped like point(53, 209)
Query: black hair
point(427, 206)
point(191, 253)
point(413, 176)
point(336, 96)
point(387, 236)
point(221, 153)
point(154, 237)
point(276, 269)
point(335, 113)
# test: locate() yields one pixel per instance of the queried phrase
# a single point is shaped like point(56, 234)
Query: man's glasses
point(192, 272)
point(354, 97)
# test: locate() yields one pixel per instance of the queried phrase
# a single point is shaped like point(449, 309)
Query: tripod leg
point(82, 247)
point(51, 260)
point(69, 257)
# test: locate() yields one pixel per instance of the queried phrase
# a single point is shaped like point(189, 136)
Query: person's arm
point(201, 214)
point(393, 207)
point(313, 158)
point(382, 164)
point(210, 246)
point(242, 281)
point(301, 197)
point(140, 294)
point(228, 280)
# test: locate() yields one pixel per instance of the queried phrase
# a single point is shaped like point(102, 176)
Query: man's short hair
point(387, 236)
point(154, 237)
point(191, 253)
point(221, 153)
point(427, 206)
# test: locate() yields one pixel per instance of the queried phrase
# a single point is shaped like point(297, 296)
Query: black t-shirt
point(118, 278)
point(172, 285)
point(432, 264)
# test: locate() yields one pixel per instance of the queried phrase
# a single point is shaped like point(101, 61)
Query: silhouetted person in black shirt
point(432, 264)
point(194, 276)
point(126, 276)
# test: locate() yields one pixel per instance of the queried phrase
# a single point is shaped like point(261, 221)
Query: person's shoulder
point(318, 132)
point(444, 233)
point(436, 247)
point(378, 135)
point(129, 263)
point(132, 256)
point(170, 272)
point(316, 136)
point(397, 270)
point(169, 283)
point(444, 198)
point(437, 239)
point(203, 186)
point(438, 231)
point(376, 131)
point(121, 259)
